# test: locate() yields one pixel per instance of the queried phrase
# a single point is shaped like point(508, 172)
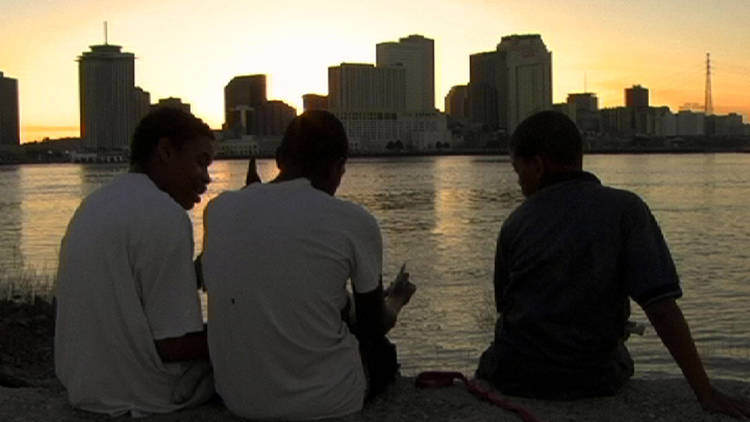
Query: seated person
point(568, 260)
point(129, 324)
point(276, 261)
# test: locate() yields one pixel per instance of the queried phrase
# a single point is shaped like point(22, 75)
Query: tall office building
point(585, 107)
point(355, 87)
point(141, 104)
point(636, 101)
point(416, 54)
point(483, 90)
point(457, 103)
point(9, 126)
point(106, 84)
point(172, 102)
point(314, 102)
point(636, 96)
point(511, 83)
point(242, 93)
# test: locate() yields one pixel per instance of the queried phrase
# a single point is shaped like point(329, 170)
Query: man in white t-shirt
point(129, 330)
point(276, 261)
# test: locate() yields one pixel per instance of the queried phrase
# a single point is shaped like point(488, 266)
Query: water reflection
point(442, 215)
point(10, 219)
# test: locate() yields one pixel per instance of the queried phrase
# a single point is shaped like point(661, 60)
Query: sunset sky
point(191, 49)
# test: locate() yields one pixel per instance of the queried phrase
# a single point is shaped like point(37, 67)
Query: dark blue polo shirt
point(567, 261)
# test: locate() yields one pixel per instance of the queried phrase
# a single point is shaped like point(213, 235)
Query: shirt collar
point(559, 177)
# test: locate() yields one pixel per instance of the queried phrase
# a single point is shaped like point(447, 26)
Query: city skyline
point(192, 50)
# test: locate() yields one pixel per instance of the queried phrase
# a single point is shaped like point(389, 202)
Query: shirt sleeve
point(650, 273)
point(367, 247)
point(168, 281)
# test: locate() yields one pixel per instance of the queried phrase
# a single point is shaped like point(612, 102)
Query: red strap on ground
point(434, 379)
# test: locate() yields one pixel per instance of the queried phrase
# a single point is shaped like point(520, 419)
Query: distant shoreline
point(44, 159)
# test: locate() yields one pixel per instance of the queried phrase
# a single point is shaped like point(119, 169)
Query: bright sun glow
point(191, 49)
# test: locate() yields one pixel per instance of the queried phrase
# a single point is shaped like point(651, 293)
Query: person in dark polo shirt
point(568, 259)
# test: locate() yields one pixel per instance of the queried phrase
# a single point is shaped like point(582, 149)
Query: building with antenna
point(106, 77)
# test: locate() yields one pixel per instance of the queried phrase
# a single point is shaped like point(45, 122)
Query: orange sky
point(191, 49)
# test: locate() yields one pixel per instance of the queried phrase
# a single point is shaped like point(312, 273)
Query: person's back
point(276, 262)
point(104, 354)
point(565, 287)
point(568, 259)
point(276, 333)
point(128, 314)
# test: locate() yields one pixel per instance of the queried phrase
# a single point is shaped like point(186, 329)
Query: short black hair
point(165, 122)
point(549, 134)
point(312, 141)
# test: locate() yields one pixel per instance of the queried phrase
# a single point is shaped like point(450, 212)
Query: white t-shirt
point(125, 279)
point(276, 262)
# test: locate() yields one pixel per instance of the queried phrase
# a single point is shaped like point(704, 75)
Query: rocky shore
point(29, 390)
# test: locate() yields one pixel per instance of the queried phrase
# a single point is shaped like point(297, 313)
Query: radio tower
point(709, 106)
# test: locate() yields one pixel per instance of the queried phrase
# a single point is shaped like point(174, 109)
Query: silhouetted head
point(545, 143)
point(315, 147)
point(174, 148)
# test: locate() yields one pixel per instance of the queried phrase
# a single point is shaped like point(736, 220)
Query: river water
point(441, 215)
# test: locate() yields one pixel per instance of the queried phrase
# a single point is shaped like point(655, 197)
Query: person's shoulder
point(622, 198)
point(353, 209)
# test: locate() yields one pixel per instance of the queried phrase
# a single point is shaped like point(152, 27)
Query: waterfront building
point(636, 96)
point(416, 54)
point(106, 86)
point(370, 102)
point(359, 87)
point(172, 102)
point(9, 121)
point(636, 100)
point(457, 103)
point(511, 83)
point(271, 118)
point(240, 93)
point(662, 122)
point(141, 104)
point(483, 90)
point(724, 125)
point(616, 121)
point(314, 102)
point(690, 123)
point(585, 111)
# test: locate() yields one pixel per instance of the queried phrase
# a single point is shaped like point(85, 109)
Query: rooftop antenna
point(106, 40)
point(708, 104)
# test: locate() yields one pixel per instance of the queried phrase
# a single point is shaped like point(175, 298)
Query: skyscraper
point(527, 71)
point(9, 133)
point(355, 87)
point(483, 89)
point(511, 83)
point(636, 101)
point(585, 108)
point(106, 85)
point(242, 93)
point(636, 96)
point(457, 102)
point(416, 54)
point(314, 102)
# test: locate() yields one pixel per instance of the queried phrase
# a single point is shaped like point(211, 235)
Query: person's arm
point(191, 346)
point(668, 321)
point(377, 312)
